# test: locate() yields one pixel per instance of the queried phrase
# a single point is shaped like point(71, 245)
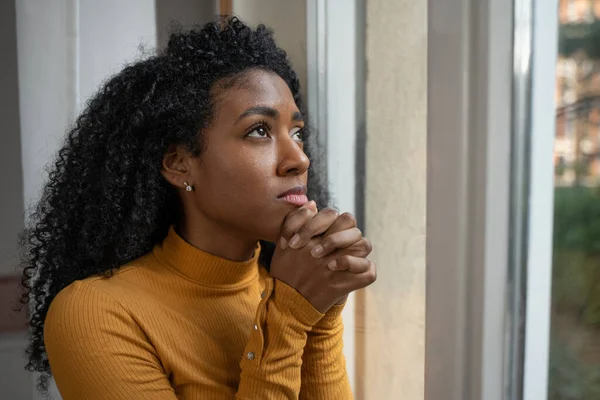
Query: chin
point(267, 225)
point(271, 236)
point(271, 233)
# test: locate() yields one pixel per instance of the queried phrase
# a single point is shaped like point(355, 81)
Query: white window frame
point(541, 195)
point(335, 38)
point(488, 263)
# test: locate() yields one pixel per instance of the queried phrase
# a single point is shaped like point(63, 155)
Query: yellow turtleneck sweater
point(181, 323)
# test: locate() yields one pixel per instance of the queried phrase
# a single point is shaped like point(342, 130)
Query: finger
point(343, 222)
point(361, 248)
point(337, 240)
point(350, 282)
point(317, 225)
point(355, 265)
point(295, 220)
point(312, 205)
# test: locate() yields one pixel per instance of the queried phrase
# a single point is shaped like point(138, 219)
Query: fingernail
point(332, 265)
point(283, 243)
point(317, 251)
point(295, 241)
point(311, 205)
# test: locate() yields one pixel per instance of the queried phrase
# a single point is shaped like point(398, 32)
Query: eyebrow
point(297, 116)
point(267, 112)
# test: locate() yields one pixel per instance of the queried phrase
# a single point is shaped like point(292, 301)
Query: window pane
point(575, 337)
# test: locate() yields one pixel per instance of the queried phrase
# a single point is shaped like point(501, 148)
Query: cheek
point(236, 178)
point(248, 171)
point(240, 193)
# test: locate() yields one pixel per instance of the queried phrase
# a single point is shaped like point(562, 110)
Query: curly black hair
point(105, 202)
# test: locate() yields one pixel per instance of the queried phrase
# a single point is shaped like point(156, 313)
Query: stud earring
point(188, 187)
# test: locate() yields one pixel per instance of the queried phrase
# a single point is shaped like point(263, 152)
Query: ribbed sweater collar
point(202, 267)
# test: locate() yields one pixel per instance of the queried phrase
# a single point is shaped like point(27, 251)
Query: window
point(574, 367)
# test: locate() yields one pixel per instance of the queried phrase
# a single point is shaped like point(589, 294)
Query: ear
point(176, 166)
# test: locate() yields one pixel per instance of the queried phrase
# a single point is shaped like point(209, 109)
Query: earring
point(188, 187)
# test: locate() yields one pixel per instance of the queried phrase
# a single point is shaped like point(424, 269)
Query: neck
point(211, 237)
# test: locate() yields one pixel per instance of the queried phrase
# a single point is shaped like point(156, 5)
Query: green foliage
point(575, 293)
point(561, 167)
point(569, 378)
point(569, 281)
point(576, 271)
point(577, 219)
point(579, 37)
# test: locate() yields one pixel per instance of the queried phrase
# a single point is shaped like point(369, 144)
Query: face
point(253, 170)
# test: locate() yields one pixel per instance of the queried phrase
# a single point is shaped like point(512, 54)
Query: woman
point(174, 253)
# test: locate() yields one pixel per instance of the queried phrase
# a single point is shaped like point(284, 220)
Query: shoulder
point(106, 291)
point(84, 322)
point(103, 302)
point(93, 341)
point(99, 302)
point(82, 309)
point(97, 292)
point(81, 294)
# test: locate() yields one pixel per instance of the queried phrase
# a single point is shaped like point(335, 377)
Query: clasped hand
point(323, 255)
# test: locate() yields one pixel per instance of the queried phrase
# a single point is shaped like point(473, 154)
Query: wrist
point(331, 320)
point(295, 303)
point(342, 300)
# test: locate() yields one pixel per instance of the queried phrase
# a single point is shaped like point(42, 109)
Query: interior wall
point(46, 68)
point(46, 103)
point(110, 34)
point(391, 313)
point(11, 201)
point(184, 12)
point(15, 382)
point(287, 18)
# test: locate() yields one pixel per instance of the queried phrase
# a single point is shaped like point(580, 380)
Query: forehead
point(251, 89)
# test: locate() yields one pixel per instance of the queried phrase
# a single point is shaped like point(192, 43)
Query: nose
point(292, 159)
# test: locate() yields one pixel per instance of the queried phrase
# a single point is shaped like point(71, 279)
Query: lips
point(295, 196)
point(296, 190)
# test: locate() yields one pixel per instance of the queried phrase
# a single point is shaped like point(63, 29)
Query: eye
point(297, 134)
point(259, 131)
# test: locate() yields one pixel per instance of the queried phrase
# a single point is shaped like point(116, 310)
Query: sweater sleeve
point(324, 373)
point(272, 361)
point(97, 351)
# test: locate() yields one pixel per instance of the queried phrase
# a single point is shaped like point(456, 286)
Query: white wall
point(288, 21)
point(110, 35)
point(391, 313)
point(184, 12)
point(66, 49)
point(46, 68)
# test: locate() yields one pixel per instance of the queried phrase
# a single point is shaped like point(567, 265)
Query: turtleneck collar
point(202, 267)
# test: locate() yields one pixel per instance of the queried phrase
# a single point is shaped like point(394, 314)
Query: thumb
point(312, 205)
